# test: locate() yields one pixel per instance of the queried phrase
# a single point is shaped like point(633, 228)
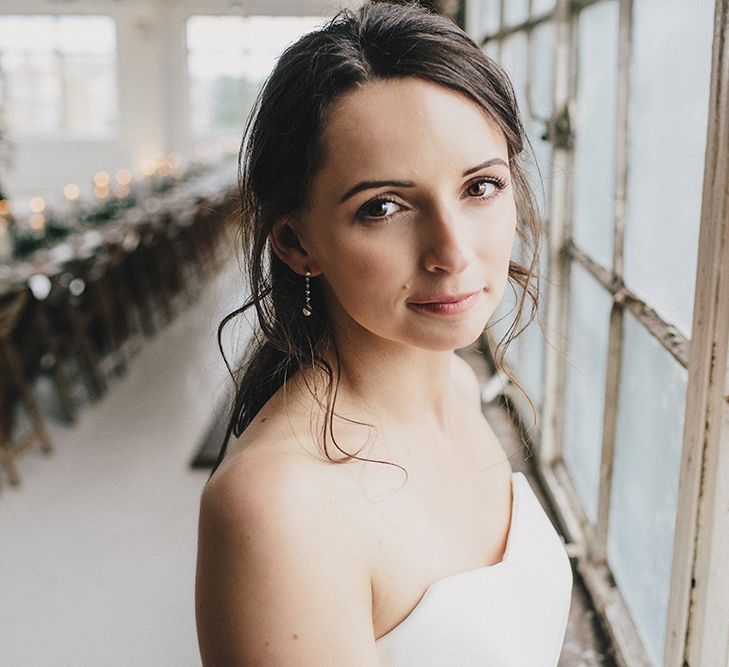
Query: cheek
point(497, 238)
point(359, 267)
point(497, 247)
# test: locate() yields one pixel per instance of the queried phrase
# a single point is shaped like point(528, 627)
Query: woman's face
point(411, 217)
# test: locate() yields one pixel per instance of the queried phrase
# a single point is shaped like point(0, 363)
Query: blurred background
point(120, 122)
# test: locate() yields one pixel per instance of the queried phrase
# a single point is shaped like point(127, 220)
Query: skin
point(269, 594)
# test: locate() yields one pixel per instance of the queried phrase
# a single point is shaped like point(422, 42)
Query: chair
point(118, 284)
point(78, 320)
point(149, 287)
point(14, 387)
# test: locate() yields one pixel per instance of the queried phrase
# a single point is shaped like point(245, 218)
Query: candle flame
point(37, 221)
point(101, 179)
point(71, 192)
point(37, 205)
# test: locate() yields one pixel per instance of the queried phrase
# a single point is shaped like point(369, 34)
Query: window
point(228, 59)
point(59, 75)
point(636, 190)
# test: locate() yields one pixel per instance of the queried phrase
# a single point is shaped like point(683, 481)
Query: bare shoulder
point(280, 579)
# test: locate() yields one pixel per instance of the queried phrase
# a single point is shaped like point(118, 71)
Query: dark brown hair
point(281, 151)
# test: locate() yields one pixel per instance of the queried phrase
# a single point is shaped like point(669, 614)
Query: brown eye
point(377, 209)
point(485, 188)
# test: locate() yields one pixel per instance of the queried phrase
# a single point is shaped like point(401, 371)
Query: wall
point(152, 75)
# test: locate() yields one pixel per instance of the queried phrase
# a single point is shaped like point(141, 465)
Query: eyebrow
point(368, 185)
point(483, 165)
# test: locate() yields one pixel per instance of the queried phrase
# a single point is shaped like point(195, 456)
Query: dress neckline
point(505, 560)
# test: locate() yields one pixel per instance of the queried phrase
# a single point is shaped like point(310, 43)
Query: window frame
point(698, 610)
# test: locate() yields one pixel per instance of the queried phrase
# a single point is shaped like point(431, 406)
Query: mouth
point(446, 298)
point(446, 304)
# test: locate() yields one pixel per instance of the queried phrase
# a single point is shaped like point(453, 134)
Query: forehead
point(405, 124)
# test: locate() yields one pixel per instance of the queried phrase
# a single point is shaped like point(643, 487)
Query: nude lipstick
point(446, 305)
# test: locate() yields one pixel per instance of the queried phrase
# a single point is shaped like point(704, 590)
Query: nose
point(448, 248)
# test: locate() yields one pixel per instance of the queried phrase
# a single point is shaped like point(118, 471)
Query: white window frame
point(698, 614)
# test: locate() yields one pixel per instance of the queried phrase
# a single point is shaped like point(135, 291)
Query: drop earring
point(307, 297)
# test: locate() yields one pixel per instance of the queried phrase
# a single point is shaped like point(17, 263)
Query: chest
point(451, 516)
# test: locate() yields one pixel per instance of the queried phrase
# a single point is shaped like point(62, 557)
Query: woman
point(367, 514)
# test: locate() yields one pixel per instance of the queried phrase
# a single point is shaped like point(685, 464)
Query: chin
point(453, 339)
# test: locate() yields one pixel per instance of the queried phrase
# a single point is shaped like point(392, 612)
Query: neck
point(393, 385)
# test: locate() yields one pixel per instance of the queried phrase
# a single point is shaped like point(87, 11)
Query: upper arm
point(278, 582)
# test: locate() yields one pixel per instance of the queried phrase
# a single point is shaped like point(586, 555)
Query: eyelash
point(500, 184)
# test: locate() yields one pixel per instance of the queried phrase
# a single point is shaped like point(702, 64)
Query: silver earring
point(307, 305)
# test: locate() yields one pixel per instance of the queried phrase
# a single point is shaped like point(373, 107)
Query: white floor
point(97, 545)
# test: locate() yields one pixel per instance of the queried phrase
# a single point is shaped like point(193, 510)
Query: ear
point(287, 245)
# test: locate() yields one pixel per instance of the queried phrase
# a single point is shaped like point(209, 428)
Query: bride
point(366, 513)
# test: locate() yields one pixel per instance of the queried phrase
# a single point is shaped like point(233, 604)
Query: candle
point(37, 205)
point(123, 187)
point(101, 179)
point(149, 169)
point(6, 241)
point(37, 222)
point(121, 191)
point(71, 192)
point(101, 191)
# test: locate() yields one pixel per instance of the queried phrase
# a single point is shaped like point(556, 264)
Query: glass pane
point(64, 69)
point(515, 11)
point(502, 319)
point(543, 269)
point(541, 70)
point(541, 6)
point(86, 34)
point(530, 344)
point(645, 480)
point(492, 50)
point(670, 74)
point(228, 59)
point(16, 33)
point(540, 170)
point(586, 363)
point(525, 354)
point(541, 82)
point(504, 315)
point(90, 102)
point(514, 61)
point(530, 371)
point(594, 179)
point(487, 17)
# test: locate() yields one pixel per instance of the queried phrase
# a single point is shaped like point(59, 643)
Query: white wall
point(152, 88)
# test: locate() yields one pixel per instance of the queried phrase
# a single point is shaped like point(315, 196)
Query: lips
point(443, 299)
point(446, 304)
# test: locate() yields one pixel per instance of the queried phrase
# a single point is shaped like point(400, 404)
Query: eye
point(485, 188)
point(378, 209)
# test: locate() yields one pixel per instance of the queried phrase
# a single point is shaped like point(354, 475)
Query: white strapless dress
point(511, 614)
